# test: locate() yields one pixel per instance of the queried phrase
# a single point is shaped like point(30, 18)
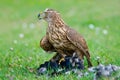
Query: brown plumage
point(61, 38)
point(46, 45)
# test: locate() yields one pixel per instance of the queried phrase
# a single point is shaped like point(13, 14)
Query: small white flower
point(105, 32)
point(21, 35)
point(91, 26)
point(15, 41)
point(32, 26)
point(11, 49)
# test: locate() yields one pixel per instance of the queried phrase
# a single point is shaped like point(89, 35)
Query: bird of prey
point(61, 38)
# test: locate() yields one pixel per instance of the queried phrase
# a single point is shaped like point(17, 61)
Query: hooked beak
point(41, 16)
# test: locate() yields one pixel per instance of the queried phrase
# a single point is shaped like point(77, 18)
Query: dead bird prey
point(63, 66)
point(61, 38)
point(111, 72)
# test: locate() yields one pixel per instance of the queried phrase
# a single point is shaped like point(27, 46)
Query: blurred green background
point(20, 32)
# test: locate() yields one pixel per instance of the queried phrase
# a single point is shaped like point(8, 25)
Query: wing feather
point(46, 45)
point(77, 40)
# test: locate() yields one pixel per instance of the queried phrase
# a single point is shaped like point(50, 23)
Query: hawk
point(61, 38)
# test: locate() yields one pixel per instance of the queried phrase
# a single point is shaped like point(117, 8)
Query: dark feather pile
point(74, 65)
point(58, 67)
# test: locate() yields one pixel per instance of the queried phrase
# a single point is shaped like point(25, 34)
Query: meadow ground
point(20, 32)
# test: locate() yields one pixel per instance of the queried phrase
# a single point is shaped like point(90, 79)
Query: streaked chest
point(57, 36)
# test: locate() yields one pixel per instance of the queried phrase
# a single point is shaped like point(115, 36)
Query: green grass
point(20, 16)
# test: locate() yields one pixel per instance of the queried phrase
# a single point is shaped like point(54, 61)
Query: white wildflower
point(91, 26)
point(105, 32)
point(21, 35)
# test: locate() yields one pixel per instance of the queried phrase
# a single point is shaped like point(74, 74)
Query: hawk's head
point(49, 15)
